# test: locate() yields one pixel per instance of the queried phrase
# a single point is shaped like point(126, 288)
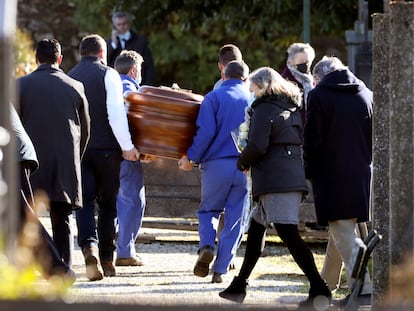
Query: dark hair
point(48, 51)
point(91, 45)
point(236, 70)
point(229, 52)
point(126, 60)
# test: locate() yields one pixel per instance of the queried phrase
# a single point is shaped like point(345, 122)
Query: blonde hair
point(270, 82)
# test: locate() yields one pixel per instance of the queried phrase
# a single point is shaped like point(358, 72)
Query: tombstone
point(359, 43)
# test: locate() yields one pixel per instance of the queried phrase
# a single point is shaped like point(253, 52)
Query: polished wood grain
point(163, 120)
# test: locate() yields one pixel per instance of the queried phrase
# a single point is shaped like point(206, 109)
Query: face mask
point(251, 98)
point(138, 79)
point(303, 68)
point(126, 36)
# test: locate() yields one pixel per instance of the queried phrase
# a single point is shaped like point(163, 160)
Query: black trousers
point(45, 251)
point(299, 250)
point(100, 186)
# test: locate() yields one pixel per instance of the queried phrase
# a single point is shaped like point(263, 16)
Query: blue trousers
point(130, 206)
point(100, 185)
point(223, 189)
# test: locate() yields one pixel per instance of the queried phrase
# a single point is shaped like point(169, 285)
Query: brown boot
point(205, 257)
point(108, 268)
point(90, 253)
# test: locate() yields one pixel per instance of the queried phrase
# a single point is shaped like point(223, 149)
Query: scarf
point(305, 79)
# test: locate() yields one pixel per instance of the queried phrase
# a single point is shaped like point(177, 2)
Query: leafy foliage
point(24, 56)
point(185, 34)
point(21, 276)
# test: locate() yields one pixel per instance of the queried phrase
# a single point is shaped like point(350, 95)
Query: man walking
point(130, 203)
point(110, 141)
point(54, 111)
point(223, 187)
point(338, 156)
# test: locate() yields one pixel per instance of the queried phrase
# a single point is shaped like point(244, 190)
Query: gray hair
point(298, 47)
point(120, 14)
point(326, 65)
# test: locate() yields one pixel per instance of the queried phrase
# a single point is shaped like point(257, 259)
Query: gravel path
point(167, 277)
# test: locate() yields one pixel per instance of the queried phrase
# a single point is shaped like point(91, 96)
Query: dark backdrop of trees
point(185, 35)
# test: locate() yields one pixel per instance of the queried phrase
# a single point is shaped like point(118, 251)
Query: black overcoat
point(55, 113)
point(338, 147)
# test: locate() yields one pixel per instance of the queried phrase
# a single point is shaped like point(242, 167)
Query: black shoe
point(236, 291)
point(205, 257)
point(319, 298)
point(69, 277)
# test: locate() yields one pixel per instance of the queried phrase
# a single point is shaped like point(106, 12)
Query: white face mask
point(138, 79)
point(126, 36)
point(251, 98)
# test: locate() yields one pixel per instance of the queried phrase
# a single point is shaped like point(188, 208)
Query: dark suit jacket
point(55, 113)
point(139, 44)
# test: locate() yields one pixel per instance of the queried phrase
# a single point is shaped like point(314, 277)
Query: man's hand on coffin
point(185, 164)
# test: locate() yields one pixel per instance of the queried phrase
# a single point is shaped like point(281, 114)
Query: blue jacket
point(221, 111)
point(128, 84)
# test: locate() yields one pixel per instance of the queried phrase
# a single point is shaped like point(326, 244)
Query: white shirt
point(117, 115)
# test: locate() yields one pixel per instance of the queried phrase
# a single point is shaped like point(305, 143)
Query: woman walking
point(274, 156)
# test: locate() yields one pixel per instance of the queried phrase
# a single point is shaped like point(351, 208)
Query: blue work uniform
point(223, 186)
point(130, 203)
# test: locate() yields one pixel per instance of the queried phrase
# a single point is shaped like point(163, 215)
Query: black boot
point(319, 297)
point(236, 291)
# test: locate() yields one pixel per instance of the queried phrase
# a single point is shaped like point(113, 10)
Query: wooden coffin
point(163, 120)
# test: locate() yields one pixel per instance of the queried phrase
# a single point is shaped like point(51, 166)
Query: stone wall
point(173, 193)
